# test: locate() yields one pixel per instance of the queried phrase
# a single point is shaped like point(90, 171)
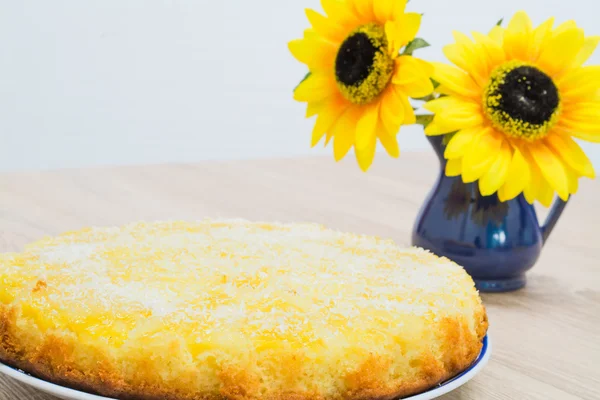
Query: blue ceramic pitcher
point(496, 242)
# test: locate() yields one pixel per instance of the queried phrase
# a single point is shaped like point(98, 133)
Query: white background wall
point(96, 82)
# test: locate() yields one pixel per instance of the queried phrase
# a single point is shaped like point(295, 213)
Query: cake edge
point(104, 383)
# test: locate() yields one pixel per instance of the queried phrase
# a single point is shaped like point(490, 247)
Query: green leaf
point(303, 79)
point(416, 44)
point(448, 137)
point(424, 119)
point(499, 23)
point(426, 98)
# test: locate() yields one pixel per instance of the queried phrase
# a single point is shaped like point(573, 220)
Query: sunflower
point(515, 101)
point(359, 83)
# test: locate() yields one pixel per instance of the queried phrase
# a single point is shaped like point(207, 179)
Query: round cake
point(236, 310)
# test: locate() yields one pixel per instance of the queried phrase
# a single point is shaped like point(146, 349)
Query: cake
point(236, 310)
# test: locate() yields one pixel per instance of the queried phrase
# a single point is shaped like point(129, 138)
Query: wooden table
point(546, 337)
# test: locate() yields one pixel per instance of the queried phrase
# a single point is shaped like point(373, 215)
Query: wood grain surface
point(546, 337)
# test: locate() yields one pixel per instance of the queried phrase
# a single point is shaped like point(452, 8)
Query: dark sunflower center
point(529, 95)
point(522, 101)
point(363, 67)
point(355, 59)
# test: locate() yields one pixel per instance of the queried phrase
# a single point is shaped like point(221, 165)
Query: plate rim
point(443, 388)
point(462, 378)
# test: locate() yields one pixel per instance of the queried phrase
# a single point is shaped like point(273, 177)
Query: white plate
point(70, 394)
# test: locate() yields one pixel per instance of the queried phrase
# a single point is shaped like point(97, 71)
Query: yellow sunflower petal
point(365, 156)
point(565, 26)
point(425, 66)
point(466, 55)
point(497, 34)
point(494, 51)
point(589, 46)
point(316, 137)
point(435, 129)
point(458, 118)
point(448, 103)
point(541, 35)
point(440, 127)
point(367, 126)
point(454, 53)
point(441, 89)
point(590, 136)
point(460, 142)
point(538, 188)
point(573, 179)
point(318, 86)
point(393, 31)
point(502, 196)
point(325, 26)
point(300, 51)
point(551, 168)
point(496, 175)
point(340, 12)
point(572, 154)
point(560, 51)
point(331, 7)
point(389, 142)
point(364, 9)
point(410, 23)
point(408, 69)
point(480, 155)
point(580, 85)
point(517, 37)
point(310, 34)
point(343, 133)
point(326, 118)
point(456, 80)
point(460, 115)
point(328, 138)
point(383, 10)
point(580, 126)
point(399, 7)
point(342, 143)
point(593, 137)
point(313, 107)
point(530, 191)
point(517, 178)
point(454, 167)
point(315, 53)
point(582, 109)
point(583, 119)
point(409, 112)
point(418, 88)
point(545, 194)
point(398, 36)
point(391, 110)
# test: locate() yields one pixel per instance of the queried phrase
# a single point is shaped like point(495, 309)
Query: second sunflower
point(513, 105)
point(359, 84)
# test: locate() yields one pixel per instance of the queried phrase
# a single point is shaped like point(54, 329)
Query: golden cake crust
point(152, 353)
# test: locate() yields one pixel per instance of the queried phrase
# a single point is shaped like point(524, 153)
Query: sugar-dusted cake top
point(297, 282)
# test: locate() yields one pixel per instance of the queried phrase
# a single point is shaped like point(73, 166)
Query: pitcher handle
point(555, 212)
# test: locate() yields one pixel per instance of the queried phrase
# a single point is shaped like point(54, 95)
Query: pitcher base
point(500, 285)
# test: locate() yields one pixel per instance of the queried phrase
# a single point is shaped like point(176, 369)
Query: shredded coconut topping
point(251, 280)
